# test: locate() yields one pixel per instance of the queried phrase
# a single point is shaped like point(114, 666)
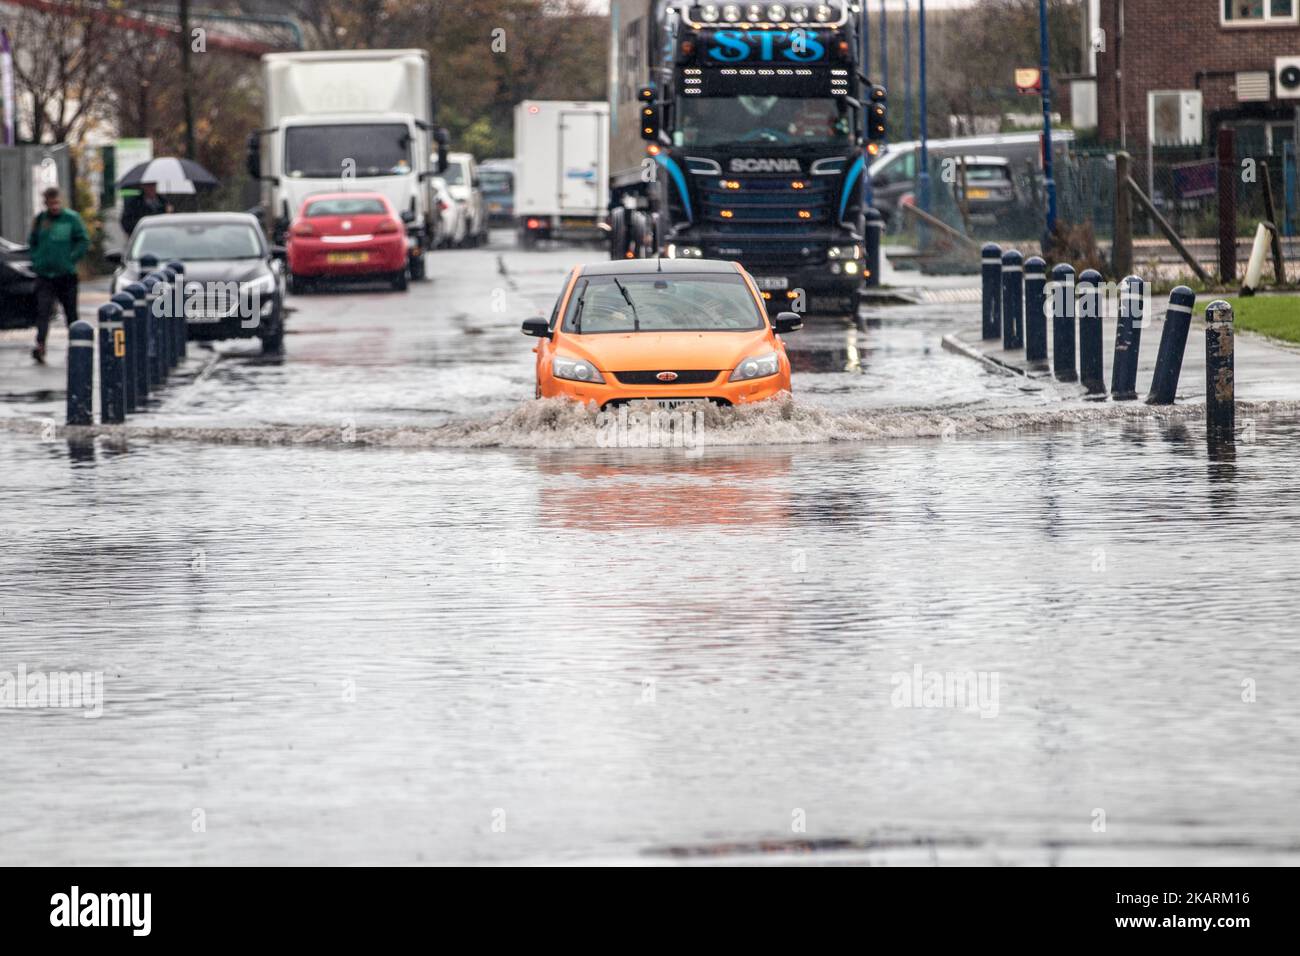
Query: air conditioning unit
point(1174, 118)
point(1287, 72)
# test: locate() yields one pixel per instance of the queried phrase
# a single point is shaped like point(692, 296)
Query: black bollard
point(1036, 311)
point(875, 227)
point(81, 373)
point(1063, 323)
point(1128, 336)
point(169, 323)
point(1220, 373)
point(181, 337)
point(1089, 308)
point(148, 263)
point(991, 291)
point(137, 342)
point(126, 302)
point(153, 332)
point(1013, 300)
point(1173, 342)
point(112, 362)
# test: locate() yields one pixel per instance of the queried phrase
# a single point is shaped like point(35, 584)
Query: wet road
point(410, 649)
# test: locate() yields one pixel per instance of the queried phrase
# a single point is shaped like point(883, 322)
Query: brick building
point(1207, 62)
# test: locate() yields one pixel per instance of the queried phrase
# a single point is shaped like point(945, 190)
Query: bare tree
point(60, 65)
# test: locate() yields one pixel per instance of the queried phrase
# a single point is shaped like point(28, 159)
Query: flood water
point(408, 648)
point(375, 655)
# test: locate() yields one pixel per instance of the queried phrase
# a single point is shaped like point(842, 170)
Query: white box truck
point(349, 120)
point(561, 169)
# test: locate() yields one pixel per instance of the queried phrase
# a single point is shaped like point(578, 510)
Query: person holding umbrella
point(58, 241)
point(147, 202)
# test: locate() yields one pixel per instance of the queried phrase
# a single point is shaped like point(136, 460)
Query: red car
point(347, 234)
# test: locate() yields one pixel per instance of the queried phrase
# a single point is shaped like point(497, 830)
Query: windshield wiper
point(577, 311)
point(636, 321)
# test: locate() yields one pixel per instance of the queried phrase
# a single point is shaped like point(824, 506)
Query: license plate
point(673, 404)
point(773, 283)
point(346, 257)
point(979, 194)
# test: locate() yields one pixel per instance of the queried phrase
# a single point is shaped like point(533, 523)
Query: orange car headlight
point(575, 370)
point(756, 366)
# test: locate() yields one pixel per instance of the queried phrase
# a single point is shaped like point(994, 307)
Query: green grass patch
point(1277, 316)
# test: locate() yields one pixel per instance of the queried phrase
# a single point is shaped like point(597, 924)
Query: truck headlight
point(708, 12)
point(731, 12)
point(824, 13)
point(844, 252)
point(776, 12)
point(756, 366)
point(684, 252)
point(575, 370)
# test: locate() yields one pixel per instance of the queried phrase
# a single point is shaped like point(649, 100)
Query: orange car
point(669, 330)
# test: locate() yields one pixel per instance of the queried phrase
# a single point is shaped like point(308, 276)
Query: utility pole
point(187, 79)
point(925, 154)
point(884, 47)
point(1048, 182)
point(907, 70)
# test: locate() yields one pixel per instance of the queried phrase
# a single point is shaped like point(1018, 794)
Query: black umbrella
point(171, 175)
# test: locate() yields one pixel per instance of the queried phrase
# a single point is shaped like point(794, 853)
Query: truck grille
point(772, 221)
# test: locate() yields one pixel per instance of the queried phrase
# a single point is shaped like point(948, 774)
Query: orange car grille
point(690, 376)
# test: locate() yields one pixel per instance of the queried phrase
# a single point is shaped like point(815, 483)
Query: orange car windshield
point(663, 302)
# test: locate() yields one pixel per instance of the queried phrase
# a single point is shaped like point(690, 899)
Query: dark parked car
point(17, 287)
point(240, 274)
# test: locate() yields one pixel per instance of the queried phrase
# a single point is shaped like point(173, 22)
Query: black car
point(17, 286)
point(234, 278)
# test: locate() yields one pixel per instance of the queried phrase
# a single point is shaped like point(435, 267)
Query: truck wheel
point(399, 280)
point(527, 238)
point(652, 235)
point(617, 233)
point(417, 268)
point(637, 230)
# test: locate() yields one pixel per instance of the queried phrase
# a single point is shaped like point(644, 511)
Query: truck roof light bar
point(704, 15)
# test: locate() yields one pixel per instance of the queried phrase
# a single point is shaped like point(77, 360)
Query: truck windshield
point(761, 121)
point(329, 151)
point(663, 302)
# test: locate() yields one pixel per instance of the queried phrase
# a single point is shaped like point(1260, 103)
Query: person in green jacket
point(58, 241)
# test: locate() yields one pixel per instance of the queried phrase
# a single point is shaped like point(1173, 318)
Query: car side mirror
point(114, 258)
point(787, 322)
point(279, 252)
point(408, 215)
point(538, 328)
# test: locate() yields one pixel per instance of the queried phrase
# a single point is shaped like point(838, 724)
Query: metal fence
point(1182, 184)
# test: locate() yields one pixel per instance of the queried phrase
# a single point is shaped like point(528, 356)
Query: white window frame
point(1268, 20)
